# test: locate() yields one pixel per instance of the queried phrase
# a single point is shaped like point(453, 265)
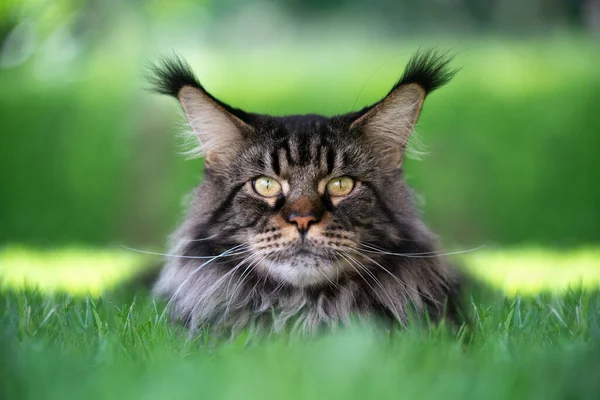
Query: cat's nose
point(303, 221)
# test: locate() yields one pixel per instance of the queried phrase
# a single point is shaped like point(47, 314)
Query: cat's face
point(299, 196)
point(303, 194)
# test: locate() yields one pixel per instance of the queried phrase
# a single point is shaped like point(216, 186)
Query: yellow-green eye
point(266, 186)
point(340, 186)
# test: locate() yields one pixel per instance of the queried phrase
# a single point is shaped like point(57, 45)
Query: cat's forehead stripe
point(275, 161)
point(303, 151)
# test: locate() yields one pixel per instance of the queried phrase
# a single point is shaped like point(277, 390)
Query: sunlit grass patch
point(80, 270)
point(76, 270)
point(531, 270)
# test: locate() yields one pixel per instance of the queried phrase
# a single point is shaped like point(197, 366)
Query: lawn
point(541, 341)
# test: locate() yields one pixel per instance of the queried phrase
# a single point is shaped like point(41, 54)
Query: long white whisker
point(217, 284)
point(261, 279)
point(250, 258)
point(366, 270)
point(356, 270)
point(428, 254)
point(404, 285)
point(242, 279)
point(174, 255)
point(198, 240)
point(195, 270)
point(329, 280)
point(213, 287)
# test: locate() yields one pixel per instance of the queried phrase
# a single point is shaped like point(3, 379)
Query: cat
point(304, 223)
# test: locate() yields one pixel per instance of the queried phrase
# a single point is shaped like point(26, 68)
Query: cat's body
point(304, 222)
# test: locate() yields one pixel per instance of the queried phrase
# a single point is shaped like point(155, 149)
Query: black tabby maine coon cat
point(304, 222)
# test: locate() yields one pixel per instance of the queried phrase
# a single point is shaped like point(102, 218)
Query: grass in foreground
point(547, 346)
point(119, 345)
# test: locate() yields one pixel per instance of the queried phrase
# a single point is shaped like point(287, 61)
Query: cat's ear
point(219, 128)
point(389, 123)
point(219, 132)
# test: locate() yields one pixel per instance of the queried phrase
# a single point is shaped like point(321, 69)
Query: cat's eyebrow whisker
point(428, 254)
point(178, 256)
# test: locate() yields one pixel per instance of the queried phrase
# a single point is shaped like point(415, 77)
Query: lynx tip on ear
point(169, 75)
point(429, 69)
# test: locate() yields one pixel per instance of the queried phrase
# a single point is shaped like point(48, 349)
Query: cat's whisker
point(355, 270)
point(251, 267)
point(250, 259)
point(195, 270)
point(428, 254)
point(402, 284)
point(231, 272)
point(217, 284)
point(199, 240)
point(262, 279)
point(328, 279)
point(392, 305)
point(176, 255)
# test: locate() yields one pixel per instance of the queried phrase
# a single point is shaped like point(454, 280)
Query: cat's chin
point(304, 269)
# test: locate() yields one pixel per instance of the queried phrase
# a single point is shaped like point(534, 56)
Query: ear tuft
point(219, 128)
point(389, 123)
point(428, 69)
point(169, 75)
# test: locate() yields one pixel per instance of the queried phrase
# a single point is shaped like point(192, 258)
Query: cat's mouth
point(303, 264)
point(306, 248)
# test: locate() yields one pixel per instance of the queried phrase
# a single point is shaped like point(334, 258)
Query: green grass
point(119, 345)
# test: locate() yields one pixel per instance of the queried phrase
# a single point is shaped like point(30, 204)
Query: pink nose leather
point(302, 221)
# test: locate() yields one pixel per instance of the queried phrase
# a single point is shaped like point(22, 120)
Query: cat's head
point(302, 197)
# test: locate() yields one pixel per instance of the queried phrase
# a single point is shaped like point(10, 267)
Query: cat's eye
point(266, 186)
point(340, 186)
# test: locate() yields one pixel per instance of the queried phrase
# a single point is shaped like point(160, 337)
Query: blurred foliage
point(408, 16)
point(87, 156)
point(512, 141)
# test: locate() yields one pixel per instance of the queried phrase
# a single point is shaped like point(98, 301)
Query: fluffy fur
point(239, 260)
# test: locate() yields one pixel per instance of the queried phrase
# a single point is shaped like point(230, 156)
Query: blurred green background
point(89, 157)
